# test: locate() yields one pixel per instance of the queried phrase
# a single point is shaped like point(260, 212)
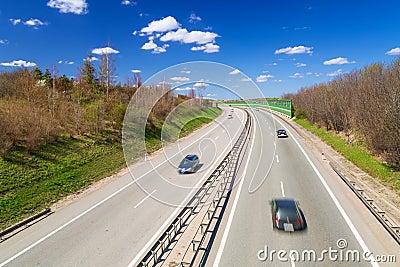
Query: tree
point(107, 71)
point(88, 74)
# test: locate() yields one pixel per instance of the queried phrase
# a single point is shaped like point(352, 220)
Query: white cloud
point(273, 64)
point(160, 49)
point(128, 3)
point(3, 42)
point(263, 78)
point(208, 48)
point(200, 84)
point(335, 73)
point(193, 18)
point(18, 63)
point(149, 45)
point(168, 29)
point(234, 72)
point(277, 81)
point(299, 65)
point(15, 21)
point(30, 22)
point(104, 50)
point(184, 89)
point(294, 50)
point(34, 22)
point(245, 80)
point(136, 71)
point(186, 71)
point(211, 95)
point(180, 79)
point(78, 7)
point(297, 75)
point(184, 36)
point(394, 51)
point(66, 62)
point(163, 25)
point(338, 61)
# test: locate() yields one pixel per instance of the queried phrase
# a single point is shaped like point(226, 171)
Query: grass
point(30, 182)
point(358, 154)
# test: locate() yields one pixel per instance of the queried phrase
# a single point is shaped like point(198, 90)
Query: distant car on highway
point(230, 116)
point(189, 164)
point(286, 215)
point(281, 133)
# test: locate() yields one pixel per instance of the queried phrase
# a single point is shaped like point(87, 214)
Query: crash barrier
point(204, 210)
point(388, 223)
point(24, 222)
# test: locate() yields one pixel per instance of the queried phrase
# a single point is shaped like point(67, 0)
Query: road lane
point(89, 232)
point(292, 175)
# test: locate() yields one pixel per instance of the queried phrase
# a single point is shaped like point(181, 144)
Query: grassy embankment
point(30, 182)
point(358, 154)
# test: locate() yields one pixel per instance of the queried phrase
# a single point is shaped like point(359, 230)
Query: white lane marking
point(277, 158)
point(337, 203)
point(144, 199)
point(232, 213)
point(216, 138)
point(204, 148)
point(282, 190)
point(96, 205)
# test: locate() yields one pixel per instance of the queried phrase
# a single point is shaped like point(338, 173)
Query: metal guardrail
point(227, 168)
point(24, 223)
point(197, 254)
point(386, 221)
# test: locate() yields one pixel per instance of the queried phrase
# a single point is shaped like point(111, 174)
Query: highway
point(115, 224)
point(336, 219)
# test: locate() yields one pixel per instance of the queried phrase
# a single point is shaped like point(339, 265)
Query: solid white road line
point(337, 203)
point(232, 213)
point(144, 199)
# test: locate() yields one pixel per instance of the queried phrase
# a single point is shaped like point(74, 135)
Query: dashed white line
point(277, 159)
point(282, 189)
point(144, 199)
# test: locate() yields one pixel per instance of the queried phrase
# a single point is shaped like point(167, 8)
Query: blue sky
point(281, 46)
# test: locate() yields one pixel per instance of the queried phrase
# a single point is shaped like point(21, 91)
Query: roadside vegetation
point(357, 153)
point(358, 114)
point(60, 135)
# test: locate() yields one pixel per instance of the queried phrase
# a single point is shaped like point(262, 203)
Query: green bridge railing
point(283, 106)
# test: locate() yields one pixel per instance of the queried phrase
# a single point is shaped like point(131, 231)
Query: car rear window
point(191, 157)
point(287, 213)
